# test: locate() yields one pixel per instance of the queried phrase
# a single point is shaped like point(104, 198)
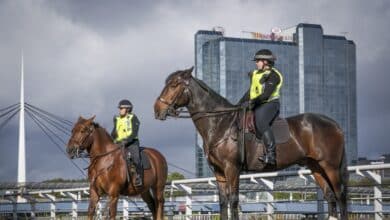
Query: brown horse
point(315, 141)
point(107, 172)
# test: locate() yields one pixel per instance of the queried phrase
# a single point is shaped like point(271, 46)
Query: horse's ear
point(188, 72)
point(190, 69)
point(92, 118)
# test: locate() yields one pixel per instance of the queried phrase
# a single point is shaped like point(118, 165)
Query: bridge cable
point(67, 122)
point(52, 122)
point(51, 130)
point(11, 110)
point(11, 106)
point(9, 118)
point(41, 125)
point(56, 135)
point(177, 167)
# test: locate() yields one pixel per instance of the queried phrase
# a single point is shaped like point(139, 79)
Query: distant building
point(319, 74)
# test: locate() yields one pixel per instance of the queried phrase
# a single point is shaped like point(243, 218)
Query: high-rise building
point(319, 74)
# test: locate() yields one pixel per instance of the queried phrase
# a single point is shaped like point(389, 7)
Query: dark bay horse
point(107, 172)
point(316, 141)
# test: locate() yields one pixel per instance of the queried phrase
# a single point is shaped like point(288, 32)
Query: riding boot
point(269, 142)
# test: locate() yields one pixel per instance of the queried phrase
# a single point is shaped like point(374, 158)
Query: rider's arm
point(269, 87)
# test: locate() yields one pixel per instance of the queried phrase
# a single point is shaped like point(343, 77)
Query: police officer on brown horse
point(264, 93)
point(125, 133)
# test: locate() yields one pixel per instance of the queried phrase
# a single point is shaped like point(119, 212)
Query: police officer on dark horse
point(125, 133)
point(315, 140)
point(264, 93)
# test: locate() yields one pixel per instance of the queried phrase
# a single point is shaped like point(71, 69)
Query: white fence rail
point(73, 198)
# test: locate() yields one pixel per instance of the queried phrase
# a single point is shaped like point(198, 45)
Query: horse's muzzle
point(72, 151)
point(161, 115)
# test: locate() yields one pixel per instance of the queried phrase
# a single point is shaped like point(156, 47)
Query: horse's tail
point(344, 175)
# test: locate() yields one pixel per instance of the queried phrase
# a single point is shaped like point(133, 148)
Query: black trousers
point(135, 154)
point(265, 114)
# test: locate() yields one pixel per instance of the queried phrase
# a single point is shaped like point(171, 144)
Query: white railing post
point(377, 195)
point(32, 202)
point(74, 198)
point(99, 210)
point(188, 191)
point(270, 198)
point(378, 203)
point(125, 208)
point(52, 200)
point(378, 209)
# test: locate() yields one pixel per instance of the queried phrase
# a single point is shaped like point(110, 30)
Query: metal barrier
point(266, 184)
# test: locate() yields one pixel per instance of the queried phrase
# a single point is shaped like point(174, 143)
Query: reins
point(202, 114)
point(94, 158)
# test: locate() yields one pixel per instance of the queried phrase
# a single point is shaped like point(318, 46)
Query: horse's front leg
point(113, 205)
point(93, 200)
point(223, 199)
point(233, 181)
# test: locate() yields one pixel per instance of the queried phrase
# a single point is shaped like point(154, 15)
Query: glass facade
point(319, 76)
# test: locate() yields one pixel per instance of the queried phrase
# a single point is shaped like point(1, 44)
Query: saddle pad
point(279, 127)
point(145, 159)
point(280, 130)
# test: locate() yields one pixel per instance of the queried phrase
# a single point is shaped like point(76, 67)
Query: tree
point(175, 176)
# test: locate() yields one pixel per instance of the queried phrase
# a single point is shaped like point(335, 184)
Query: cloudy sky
point(82, 57)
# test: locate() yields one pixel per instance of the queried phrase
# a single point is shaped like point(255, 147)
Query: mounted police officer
point(266, 82)
point(125, 133)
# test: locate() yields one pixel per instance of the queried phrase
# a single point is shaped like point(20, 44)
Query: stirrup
point(138, 180)
point(266, 159)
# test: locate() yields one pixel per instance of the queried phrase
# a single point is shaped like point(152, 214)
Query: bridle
point(195, 115)
point(78, 152)
point(90, 130)
point(171, 105)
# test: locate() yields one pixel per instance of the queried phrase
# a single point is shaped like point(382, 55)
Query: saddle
point(144, 159)
point(251, 148)
point(279, 127)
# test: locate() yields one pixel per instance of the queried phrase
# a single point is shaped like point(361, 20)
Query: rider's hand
point(248, 105)
point(122, 143)
point(245, 104)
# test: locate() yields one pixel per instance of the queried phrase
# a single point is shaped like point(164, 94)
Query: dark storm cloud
point(82, 57)
point(107, 17)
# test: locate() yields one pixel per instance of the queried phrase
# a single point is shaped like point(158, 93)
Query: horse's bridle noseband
point(90, 130)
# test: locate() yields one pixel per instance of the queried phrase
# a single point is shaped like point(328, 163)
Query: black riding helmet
point(125, 104)
point(265, 54)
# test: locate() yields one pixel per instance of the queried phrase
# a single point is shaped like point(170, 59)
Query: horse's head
point(174, 95)
point(80, 139)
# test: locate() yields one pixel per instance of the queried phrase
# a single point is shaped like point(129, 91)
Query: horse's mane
point(214, 95)
point(96, 125)
point(104, 131)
